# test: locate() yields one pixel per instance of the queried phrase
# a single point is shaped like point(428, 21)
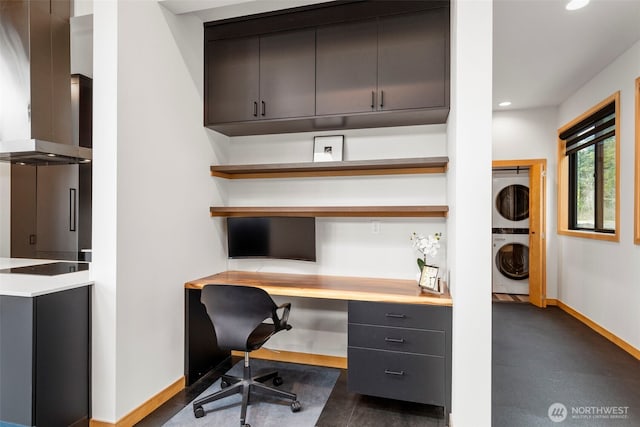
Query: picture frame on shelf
point(429, 279)
point(328, 148)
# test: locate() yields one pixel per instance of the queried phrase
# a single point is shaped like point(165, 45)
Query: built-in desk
point(327, 287)
point(399, 339)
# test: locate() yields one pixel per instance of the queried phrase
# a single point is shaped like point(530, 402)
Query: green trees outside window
point(591, 149)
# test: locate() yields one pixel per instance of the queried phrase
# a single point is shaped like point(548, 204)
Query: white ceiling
point(542, 53)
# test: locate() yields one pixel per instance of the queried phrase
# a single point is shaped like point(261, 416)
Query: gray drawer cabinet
point(400, 351)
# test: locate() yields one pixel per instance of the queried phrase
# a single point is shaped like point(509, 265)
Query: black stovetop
point(50, 269)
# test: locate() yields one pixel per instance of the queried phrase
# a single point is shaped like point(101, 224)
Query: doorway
point(537, 266)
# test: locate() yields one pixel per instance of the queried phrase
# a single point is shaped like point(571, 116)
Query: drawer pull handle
point(398, 340)
point(395, 316)
point(398, 373)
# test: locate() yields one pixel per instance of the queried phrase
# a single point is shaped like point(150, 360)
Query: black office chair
point(238, 314)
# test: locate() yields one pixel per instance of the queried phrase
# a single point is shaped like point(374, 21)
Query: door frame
point(537, 225)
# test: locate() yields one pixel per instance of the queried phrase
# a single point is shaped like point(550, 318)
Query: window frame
point(563, 177)
point(636, 211)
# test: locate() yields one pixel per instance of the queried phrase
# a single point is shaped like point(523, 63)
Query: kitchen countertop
point(28, 285)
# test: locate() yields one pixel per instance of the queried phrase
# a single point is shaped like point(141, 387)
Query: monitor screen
point(272, 237)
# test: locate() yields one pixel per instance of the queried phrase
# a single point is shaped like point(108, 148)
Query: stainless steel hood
point(35, 83)
point(42, 153)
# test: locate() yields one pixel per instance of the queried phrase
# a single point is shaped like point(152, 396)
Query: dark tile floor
point(545, 356)
point(343, 409)
point(540, 357)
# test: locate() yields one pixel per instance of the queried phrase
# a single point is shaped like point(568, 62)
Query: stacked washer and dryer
point(510, 229)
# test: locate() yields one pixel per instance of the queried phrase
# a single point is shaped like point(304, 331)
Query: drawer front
point(397, 339)
point(409, 377)
point(400, 315)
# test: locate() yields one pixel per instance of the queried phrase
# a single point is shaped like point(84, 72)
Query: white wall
point(469, 223)
point(532, 134)
point(5, 209)
point(152, 191)
point(345, 246)
point(82, 7)
point(82, 45)
point(600, 279)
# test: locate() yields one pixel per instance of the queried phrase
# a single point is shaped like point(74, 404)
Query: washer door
point(512, 261)
point(512, 202)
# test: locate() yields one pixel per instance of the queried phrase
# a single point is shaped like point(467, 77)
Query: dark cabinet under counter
point(400, 351)
point(45, 367)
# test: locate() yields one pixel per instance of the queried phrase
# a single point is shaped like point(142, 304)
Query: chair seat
point(260, 335)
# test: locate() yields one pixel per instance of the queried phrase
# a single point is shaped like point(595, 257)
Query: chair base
point(246, 386)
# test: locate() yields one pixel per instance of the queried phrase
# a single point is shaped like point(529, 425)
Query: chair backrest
point(235, 312)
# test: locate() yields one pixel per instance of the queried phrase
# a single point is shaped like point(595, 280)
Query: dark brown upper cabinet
point(411, 61)
point(383, 64)
point(330, 66)
point(347, 68)
point(256, 78)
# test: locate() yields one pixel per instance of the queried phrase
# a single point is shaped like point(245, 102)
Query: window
point(588, 173)
point(636, 216)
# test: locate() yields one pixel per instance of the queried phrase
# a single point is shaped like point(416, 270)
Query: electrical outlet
point(375, 227)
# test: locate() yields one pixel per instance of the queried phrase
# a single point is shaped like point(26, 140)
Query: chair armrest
point(281, 322)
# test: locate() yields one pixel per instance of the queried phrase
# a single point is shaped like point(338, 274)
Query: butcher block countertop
point(328, 287)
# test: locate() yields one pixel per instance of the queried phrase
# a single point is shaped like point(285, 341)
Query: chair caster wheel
point(277, 381)
point(295, 406)
point(224, 383)
point(198, 412)
point(245, 425)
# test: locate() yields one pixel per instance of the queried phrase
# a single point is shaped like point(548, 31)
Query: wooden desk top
point(328, 287)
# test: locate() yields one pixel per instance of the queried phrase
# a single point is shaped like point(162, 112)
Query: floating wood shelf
point(333, 211)
point(417, 165)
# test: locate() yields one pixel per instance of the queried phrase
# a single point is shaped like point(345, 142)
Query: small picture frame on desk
point(429, 281)
point(328, 148)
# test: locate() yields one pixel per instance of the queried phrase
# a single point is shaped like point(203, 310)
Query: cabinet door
point(24, 181)
point(287, 74)
point(232, 77)
point(346, 68)
point(412, 60)
point(62, 358)
point(57, 208)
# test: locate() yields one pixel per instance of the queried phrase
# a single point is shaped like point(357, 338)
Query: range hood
point(35, 82)
point(36, 152)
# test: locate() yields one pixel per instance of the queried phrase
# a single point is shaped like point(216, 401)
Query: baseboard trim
point(146, 408)
point(551, 301)
point(296, 357)
point(599, 329)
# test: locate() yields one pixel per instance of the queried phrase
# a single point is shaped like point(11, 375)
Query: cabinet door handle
point(255, 108)
point(264, 108)
point(72, 209)
point(395, 316)
point(373, 99)
point(398, 340)
point(381, 98)
point(398, 373)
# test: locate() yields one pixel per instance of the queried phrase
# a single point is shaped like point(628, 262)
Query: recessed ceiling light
point(576, 4)
point(51, 155)
point(504, 104)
